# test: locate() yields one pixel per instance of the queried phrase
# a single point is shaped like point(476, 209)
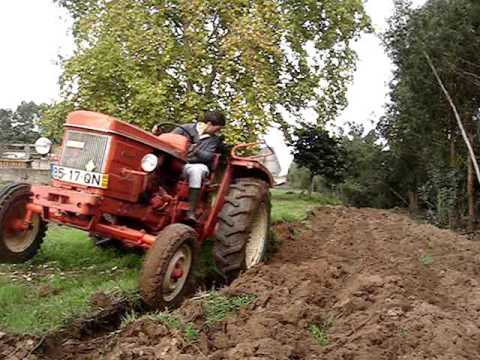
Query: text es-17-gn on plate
point(76, 176)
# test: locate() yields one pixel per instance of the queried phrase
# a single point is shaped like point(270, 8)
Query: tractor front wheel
point(166, 276)
point(16, 245)
point(243, 230)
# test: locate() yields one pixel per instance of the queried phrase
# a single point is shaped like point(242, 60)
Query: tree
point(6, 128)
point(25, 122)
point(369, 180)
point(21, 125)
point(147, 61)
point(420, 128)
point(321, 153)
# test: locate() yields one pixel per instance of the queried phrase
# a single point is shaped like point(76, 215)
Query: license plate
point(81, 177)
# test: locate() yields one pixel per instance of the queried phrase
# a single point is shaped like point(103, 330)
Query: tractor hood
point(94, 121)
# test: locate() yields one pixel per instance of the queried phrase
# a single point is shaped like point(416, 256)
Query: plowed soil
point(349, 284)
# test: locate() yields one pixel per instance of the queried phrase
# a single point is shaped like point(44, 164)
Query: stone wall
point(32, 176)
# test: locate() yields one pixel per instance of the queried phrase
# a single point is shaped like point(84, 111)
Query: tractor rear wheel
point(243, 230)
point(166, 276)
point(18, 246)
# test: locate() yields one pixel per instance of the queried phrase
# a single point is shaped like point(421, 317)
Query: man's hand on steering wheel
point(166, 127)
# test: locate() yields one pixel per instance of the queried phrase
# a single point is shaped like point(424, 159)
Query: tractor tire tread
point(153, 269)
point(7, 193)
point(235, 220)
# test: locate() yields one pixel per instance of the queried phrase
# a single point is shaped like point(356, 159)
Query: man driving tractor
point(107, 182)
point(204, 144)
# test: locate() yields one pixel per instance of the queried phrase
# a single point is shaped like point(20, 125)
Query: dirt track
point(379, 285)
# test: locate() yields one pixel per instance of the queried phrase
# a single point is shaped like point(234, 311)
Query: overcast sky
point(34, 32)
point(32, 35)
point(368, 93)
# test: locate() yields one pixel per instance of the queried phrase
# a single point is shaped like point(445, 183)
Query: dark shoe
point(191, 218)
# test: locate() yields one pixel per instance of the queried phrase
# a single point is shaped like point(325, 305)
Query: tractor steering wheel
point(167, 127)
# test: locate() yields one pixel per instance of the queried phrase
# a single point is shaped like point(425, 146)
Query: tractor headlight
point(149, 162)
point(43, 146)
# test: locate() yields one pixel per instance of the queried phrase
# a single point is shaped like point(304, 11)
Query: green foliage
point(422, 134)
point(217, 307)
point(318, 151)
point(319, 335)
point(190, 334)
point(441, 194)
point(319, 331)
point(426, 260)
point(300, 178)
point(368, 176)
point(21, 125)
point(53, 119)
point(147, 61)
point(6, 129)
point(360, 161)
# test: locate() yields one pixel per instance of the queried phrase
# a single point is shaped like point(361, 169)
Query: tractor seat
point(178, 142)
point(214, 166)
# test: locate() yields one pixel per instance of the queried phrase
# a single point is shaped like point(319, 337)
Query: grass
point(292, 206)
point(217, 307)
point(319, 335)
point(320, 332)
point(426, 260)
point(172, 322)
point(45, 293)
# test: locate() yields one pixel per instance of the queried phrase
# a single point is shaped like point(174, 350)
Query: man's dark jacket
point(202, 149)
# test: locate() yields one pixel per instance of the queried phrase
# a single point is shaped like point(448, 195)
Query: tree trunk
point(453, 150)
point(457, 116)
point(454, 210)
point(468, 134)
point(471, 191)
point(412, 202)
point(310, 188)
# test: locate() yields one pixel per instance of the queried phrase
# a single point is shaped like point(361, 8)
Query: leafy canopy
point(318, 151)
point(21, 125)
point(148, 61)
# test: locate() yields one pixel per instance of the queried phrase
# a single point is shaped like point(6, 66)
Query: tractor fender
point(252, 169)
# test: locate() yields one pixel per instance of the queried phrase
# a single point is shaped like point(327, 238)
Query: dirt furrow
point(349, 284)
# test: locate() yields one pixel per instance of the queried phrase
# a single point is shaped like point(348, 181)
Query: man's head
point(215, 121)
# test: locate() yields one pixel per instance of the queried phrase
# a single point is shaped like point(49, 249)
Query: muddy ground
point(349, 284)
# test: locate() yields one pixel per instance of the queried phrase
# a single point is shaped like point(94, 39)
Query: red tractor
point(118, 182)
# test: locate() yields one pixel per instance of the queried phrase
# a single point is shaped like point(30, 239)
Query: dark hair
point(215, 117)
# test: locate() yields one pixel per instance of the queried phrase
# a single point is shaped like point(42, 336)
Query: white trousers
point(195, 173)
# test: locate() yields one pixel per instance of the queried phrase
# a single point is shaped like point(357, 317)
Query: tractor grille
point(79, 148)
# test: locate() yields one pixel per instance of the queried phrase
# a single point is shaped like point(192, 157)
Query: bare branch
point(457, 116)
